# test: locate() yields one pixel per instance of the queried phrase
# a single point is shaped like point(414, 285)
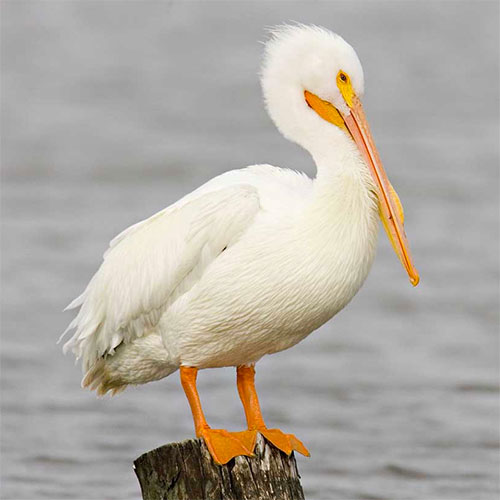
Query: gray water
point(113, 110)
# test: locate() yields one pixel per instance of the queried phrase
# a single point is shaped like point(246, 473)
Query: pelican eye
point(345, 87)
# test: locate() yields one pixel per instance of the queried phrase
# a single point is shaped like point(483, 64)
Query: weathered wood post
point(186, 471)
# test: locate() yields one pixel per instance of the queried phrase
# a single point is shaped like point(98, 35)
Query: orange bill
point(390, 209)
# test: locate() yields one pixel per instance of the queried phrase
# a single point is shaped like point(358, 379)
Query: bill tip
point(415, 280)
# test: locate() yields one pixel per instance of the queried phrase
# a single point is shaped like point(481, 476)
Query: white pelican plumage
point(254, 260)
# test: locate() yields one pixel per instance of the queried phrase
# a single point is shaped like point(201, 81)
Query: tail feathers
point(99, 379)
point(139, 362)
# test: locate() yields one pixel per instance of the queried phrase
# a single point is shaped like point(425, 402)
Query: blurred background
point(112, 110)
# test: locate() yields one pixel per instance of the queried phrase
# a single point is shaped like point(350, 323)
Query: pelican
point(254, 260)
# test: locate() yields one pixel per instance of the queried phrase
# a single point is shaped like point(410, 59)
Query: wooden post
point(186, 471)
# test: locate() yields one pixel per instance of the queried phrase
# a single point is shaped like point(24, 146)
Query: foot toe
point(223, 446)
point(247, 438)
point(297, 445)
point(278, 439)
point(284, 442)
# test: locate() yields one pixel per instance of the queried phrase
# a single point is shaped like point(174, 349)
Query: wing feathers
point(152, 263)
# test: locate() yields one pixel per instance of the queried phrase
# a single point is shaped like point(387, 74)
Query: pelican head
point(313, 82)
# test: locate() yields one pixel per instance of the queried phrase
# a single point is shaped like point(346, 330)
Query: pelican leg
point(222, 445)
point(245, 377)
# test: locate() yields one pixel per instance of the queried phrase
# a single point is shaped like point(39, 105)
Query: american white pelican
point(255, 259)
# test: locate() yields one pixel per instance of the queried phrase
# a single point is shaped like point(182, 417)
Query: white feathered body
point(247, 265)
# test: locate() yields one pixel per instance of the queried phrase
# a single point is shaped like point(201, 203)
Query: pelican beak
point(390, 209)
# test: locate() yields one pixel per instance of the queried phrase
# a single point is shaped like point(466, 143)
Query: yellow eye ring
point(345, 87)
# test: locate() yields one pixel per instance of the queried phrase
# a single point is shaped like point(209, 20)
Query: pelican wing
point(152, 263)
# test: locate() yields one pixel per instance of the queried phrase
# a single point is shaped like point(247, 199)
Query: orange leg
point(248, 395)
point(222, 445)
